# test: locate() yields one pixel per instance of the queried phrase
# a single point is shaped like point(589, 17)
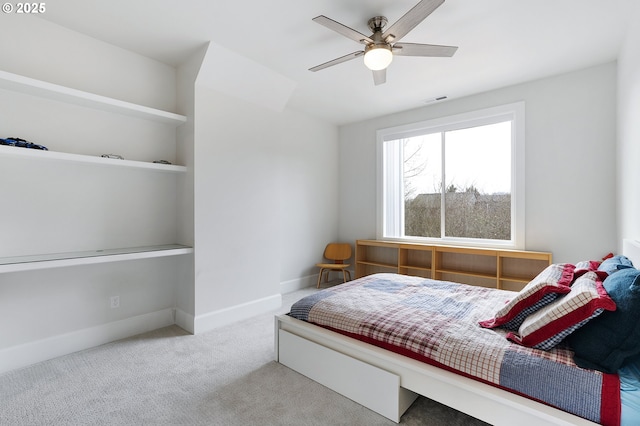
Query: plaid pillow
point(550, 325)
point(587, 265)
point(555, 280)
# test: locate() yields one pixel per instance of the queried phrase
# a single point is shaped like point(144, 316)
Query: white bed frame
point(388, 383)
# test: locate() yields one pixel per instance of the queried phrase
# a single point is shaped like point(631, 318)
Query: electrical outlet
point(115, 301)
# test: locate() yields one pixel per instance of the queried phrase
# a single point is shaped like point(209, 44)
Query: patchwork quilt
point(437, 322)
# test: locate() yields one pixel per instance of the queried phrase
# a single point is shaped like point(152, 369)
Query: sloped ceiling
point(501, 42)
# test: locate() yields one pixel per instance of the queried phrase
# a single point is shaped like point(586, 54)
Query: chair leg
point(344, 275)
point(319, 277)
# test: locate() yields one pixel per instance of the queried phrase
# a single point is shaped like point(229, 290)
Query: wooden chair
point(338, 252)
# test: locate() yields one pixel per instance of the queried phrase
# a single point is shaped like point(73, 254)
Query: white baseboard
point(55, 346)
point(222, 317)
point(51, 347)
point(308, 281)
point(298, 283)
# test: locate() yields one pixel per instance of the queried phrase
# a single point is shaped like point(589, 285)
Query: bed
point(355, 349)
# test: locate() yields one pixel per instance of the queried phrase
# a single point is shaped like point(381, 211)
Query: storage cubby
point(416, 261)
point(515, 268)
point(503, 269)
point(465, 265)
point(376, 257)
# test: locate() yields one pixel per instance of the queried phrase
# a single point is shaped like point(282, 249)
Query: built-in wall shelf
point(56, 260)
point(55, 156)
point(27, 85)
point(503, 269)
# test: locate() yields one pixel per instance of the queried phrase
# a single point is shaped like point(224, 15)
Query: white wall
point(236, 199)
point(628, 183)
point(570, 158)
point(265, 203)
point(308, 211)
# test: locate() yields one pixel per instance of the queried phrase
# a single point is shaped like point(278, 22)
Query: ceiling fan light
point(378, 58)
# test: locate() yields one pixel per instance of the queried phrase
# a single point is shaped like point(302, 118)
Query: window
point(457, 180)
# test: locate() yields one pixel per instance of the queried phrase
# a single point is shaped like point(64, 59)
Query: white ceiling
point(501, 42)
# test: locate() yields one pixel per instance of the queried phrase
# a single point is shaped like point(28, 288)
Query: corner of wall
point(222, 317)
point(185, 151)
point(628, 150)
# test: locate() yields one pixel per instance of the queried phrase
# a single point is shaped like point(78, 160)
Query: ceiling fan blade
point(380, 77)
point(337, 61)
point(409, 21)
point(416, 49)
point(343, 29)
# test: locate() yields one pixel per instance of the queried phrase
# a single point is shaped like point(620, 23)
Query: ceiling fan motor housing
point(377, 23)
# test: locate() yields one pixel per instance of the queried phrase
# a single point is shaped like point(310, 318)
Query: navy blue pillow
point(605, 342)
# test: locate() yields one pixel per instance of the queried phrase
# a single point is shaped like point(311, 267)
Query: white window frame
point(392, 217)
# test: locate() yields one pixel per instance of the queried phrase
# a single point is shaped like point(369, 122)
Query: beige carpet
point(168, 377)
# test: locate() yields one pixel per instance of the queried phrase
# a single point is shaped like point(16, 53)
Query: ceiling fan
point(382, 45)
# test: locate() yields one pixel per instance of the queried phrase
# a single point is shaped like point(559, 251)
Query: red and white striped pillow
point(548, 326)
